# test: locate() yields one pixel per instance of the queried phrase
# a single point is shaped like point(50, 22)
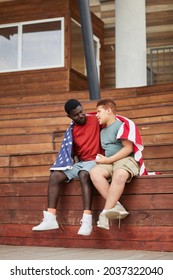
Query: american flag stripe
point(129, 131)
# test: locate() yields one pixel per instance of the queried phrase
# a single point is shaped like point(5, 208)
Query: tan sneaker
point(103, 221)
point(117, 212)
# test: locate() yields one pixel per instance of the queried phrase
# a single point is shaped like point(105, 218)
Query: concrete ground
point(51, 253)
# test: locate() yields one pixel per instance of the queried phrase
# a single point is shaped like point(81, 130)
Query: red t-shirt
point(86, 139)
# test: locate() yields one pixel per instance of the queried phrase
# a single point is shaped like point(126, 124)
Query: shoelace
point(119, 222)
point(83, 222)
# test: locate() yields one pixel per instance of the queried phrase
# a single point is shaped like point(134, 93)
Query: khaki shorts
point(128, 163)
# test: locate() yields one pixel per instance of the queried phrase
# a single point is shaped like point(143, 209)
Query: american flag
point(64, 158)
point(129, 131)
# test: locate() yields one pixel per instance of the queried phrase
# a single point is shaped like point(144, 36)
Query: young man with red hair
point(118, 164)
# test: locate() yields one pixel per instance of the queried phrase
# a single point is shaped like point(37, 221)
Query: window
point(32, 45)
point(8, 48)
point(78, 56)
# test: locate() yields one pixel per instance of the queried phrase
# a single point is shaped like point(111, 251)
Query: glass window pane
point(42, 45)
point(78, 56)
point(8, 48)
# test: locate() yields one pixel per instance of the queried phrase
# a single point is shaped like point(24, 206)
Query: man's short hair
point(107, 103)
point(71, 104)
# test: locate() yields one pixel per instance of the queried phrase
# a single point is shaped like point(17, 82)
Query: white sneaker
point(103, 221)
point(86, 225)
point(49, 222)
point(117, 212)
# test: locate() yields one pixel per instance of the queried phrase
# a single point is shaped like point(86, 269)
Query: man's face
point(77, 115)
point(102, 115)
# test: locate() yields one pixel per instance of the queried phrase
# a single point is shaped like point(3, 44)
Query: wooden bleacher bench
point(148, 227)
point(41, 98)
point(31, 131)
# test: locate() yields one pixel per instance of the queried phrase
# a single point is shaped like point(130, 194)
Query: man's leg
point(56, 179)
point(110, 192)
point(114, 210)
point(87, 187)
point(99, 178)
point(116, 188)
point(49, 221)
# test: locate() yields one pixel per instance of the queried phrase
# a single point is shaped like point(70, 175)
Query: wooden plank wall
point(34, 82)
point(30, 83)
point(36, 123)
point(46, 80)
point(148, 227)
point(159, 21)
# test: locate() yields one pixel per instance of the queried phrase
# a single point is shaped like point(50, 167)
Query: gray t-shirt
point(108, 139)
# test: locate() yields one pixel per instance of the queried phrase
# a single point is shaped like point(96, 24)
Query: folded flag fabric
point(129, 131)
point(64, 158)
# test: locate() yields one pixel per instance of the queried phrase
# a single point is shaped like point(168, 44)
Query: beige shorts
point(128, 163)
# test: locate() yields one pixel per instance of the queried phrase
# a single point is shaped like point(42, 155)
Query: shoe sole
point(103, 227)
point(44, 229)
point(116, 215)
point(85, 234)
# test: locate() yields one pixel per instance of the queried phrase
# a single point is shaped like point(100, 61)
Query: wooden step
point(55, 110)
point(36, 163)
point(26, 139)
point(33, 129)
point(122, 102)
point(148, 227)
point(13, 144)
point(42, 98)
point(34, 122)
point(123, 97)
point(152, 114)
point(26, 148)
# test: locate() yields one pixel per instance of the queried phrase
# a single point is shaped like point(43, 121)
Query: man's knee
point(84, 175)
point(57, 177)
point(120, 175)
point(93, 173)
point(92, 176)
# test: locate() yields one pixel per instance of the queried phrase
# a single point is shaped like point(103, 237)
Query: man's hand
point(102, 159)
